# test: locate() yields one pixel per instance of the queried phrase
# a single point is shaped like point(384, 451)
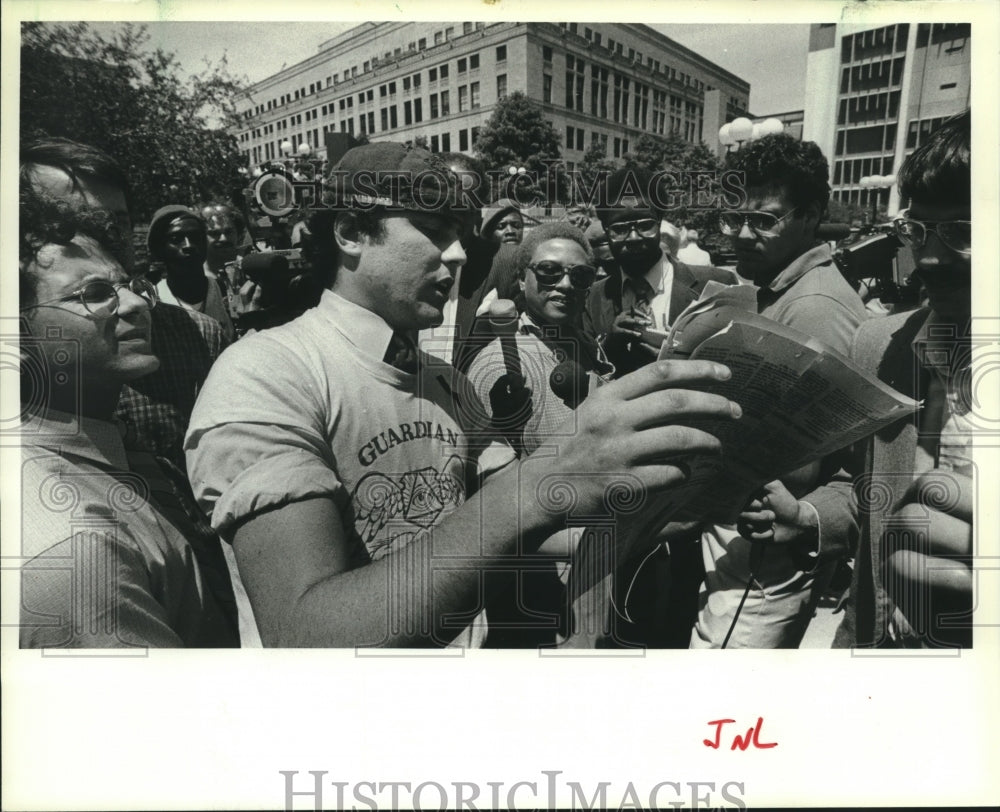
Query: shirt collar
point(654, 276)
point(364, 329)
point(99, 441)
point(817, 255)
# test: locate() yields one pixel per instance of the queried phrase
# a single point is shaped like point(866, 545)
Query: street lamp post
point(875, 184)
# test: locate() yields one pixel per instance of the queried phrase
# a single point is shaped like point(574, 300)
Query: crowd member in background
point(515, 381)
point(108, 563)
point(647, 289)
point(670, 238)
point(807, 517)
point(460, 335)
point(690, 252)
point(157, 406)
point(178, 238)
point(598, 240)
point(503, 223)
point(915, 552)
point(346, 467)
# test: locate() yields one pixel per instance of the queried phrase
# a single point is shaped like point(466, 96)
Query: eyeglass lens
point(551, 273)
point(955, 234)
point(731, 222)
point(646, 228)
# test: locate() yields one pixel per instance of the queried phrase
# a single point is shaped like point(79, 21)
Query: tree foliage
point(518, 134)
point(168, 131)
point(687, 168)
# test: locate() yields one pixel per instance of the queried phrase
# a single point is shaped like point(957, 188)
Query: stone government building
point(596, 82)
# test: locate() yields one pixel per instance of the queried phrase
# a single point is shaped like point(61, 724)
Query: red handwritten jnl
point(742, 742)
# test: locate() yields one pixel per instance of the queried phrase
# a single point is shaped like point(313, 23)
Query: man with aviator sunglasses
point(912, 583)
point(805, 518)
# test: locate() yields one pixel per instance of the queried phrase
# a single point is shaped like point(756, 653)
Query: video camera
point(285, 288)
point(872, 258)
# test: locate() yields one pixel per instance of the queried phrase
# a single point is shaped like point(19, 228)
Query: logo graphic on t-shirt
point(389, 508)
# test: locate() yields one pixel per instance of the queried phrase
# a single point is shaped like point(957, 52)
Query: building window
point(501, 86)
point(422, 44)
point(438, 37)
point(463, 98)
point(569, 138)
point(444, 71)
point(406, 83)
point(384, 115)
point(501, 53)
point(546, 88)
point(466, 29)
point(547, 54)
point(474, 95)
point(432, 75)
point(407, 113)
point(434, 144)
point(463, 140)
point(474, 62)
point(393, 118)
point(418, 111)
point(445, 108)
point(434, 106)
point(461, 65)
point(446, 142)
point(416, 81)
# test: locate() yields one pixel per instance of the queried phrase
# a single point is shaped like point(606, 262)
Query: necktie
point(401, 353)
point(643, 296)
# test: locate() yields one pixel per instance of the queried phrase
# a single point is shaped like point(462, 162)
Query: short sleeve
point(68, 599)
point(258, 435)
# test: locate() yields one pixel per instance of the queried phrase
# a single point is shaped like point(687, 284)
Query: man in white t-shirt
point(345, 466)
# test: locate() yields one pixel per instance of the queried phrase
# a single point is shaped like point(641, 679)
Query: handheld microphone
point(266, 269)
point(503, 319)
point(833, 231)
point(570, 383)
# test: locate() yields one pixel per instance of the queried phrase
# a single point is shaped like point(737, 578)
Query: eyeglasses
point(759, 222)
point(550, 274)
point(101, 298)
point(955, 234)
point(645, 228)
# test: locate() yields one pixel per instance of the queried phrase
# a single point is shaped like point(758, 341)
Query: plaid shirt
point(158, 406)
point(156, 410)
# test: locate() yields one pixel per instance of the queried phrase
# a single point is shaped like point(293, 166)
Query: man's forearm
point(428, 591)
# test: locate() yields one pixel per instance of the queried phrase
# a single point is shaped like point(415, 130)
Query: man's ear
point(813, 213)
point(347, 234)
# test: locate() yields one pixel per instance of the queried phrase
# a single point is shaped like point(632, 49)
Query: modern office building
point(873, 94)
point(600, 82)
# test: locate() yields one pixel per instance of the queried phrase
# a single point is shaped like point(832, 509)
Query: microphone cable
point(756, 558)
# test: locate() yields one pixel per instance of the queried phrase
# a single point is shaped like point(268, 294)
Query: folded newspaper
point(801, 401)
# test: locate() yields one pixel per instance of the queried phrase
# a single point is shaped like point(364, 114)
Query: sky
point(771, 57)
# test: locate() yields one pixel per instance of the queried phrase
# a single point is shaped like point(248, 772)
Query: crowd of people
point(413, 449)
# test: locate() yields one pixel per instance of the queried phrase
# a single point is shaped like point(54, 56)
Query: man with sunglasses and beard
point(790, 538)
point(912, 583)
point(646, 288)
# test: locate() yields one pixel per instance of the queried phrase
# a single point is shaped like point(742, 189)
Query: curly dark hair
point(779, 162)
point(44, 220)
point(938, 171)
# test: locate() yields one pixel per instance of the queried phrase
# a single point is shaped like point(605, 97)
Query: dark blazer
point(604, 303)
point(487, 266)
point(885, 469)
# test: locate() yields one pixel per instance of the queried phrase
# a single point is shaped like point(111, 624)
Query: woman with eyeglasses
point(107, 568)
point(531, 378)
